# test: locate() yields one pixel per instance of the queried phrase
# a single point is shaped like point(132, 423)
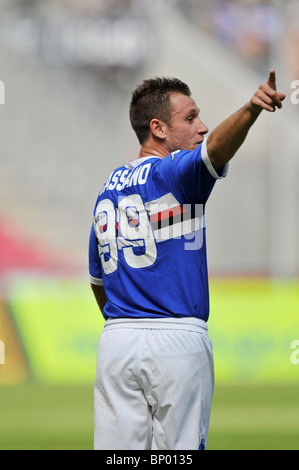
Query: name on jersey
point(125, 178)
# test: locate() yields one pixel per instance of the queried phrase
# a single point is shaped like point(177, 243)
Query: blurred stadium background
point(69, 67)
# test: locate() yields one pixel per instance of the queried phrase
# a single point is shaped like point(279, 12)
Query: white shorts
point(154, 385)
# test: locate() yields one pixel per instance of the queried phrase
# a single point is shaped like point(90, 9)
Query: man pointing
point(148, 270)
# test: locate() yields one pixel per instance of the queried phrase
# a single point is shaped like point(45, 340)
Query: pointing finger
point(272, 79)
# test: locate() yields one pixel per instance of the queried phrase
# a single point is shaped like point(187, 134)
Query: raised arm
point(226, 139)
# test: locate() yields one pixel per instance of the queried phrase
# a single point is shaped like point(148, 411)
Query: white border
point(95, 281)
point(207, 162)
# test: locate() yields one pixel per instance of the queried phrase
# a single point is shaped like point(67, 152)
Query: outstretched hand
point(267, 97)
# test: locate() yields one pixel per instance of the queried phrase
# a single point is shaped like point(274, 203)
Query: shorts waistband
point(184, 323)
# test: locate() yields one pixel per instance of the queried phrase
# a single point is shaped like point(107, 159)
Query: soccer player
point(148, 270)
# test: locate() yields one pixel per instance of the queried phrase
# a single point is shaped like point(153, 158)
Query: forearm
point(227, 138)
point(100, 295)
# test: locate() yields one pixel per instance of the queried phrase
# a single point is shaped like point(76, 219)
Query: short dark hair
point(151, 100)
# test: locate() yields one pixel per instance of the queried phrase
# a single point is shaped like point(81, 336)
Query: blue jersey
point(147, 242)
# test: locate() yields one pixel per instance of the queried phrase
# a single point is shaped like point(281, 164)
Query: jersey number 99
point(124, 228)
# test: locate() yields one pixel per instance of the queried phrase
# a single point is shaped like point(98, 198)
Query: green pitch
point(41, 417)
point(255, 417)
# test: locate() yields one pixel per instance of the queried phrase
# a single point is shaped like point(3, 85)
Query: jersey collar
point(133, 163)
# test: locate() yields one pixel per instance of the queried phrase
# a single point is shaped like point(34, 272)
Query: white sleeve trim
point(207, 162)
point(95, 281)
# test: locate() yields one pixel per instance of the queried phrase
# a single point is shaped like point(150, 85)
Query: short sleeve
point(95, 270)
point(189, 175)
point(205, 158)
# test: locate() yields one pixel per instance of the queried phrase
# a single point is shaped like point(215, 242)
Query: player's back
point(148, 239)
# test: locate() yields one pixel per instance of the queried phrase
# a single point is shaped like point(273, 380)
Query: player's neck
point(154, 148)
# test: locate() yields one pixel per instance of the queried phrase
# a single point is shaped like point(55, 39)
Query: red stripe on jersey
point(167, 213)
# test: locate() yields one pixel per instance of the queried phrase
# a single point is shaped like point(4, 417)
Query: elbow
point(218, 159)
point(219, 154)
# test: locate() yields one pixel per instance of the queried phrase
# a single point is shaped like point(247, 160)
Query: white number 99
point(134, 229)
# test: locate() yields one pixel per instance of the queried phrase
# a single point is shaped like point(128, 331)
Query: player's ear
point(158, 128)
